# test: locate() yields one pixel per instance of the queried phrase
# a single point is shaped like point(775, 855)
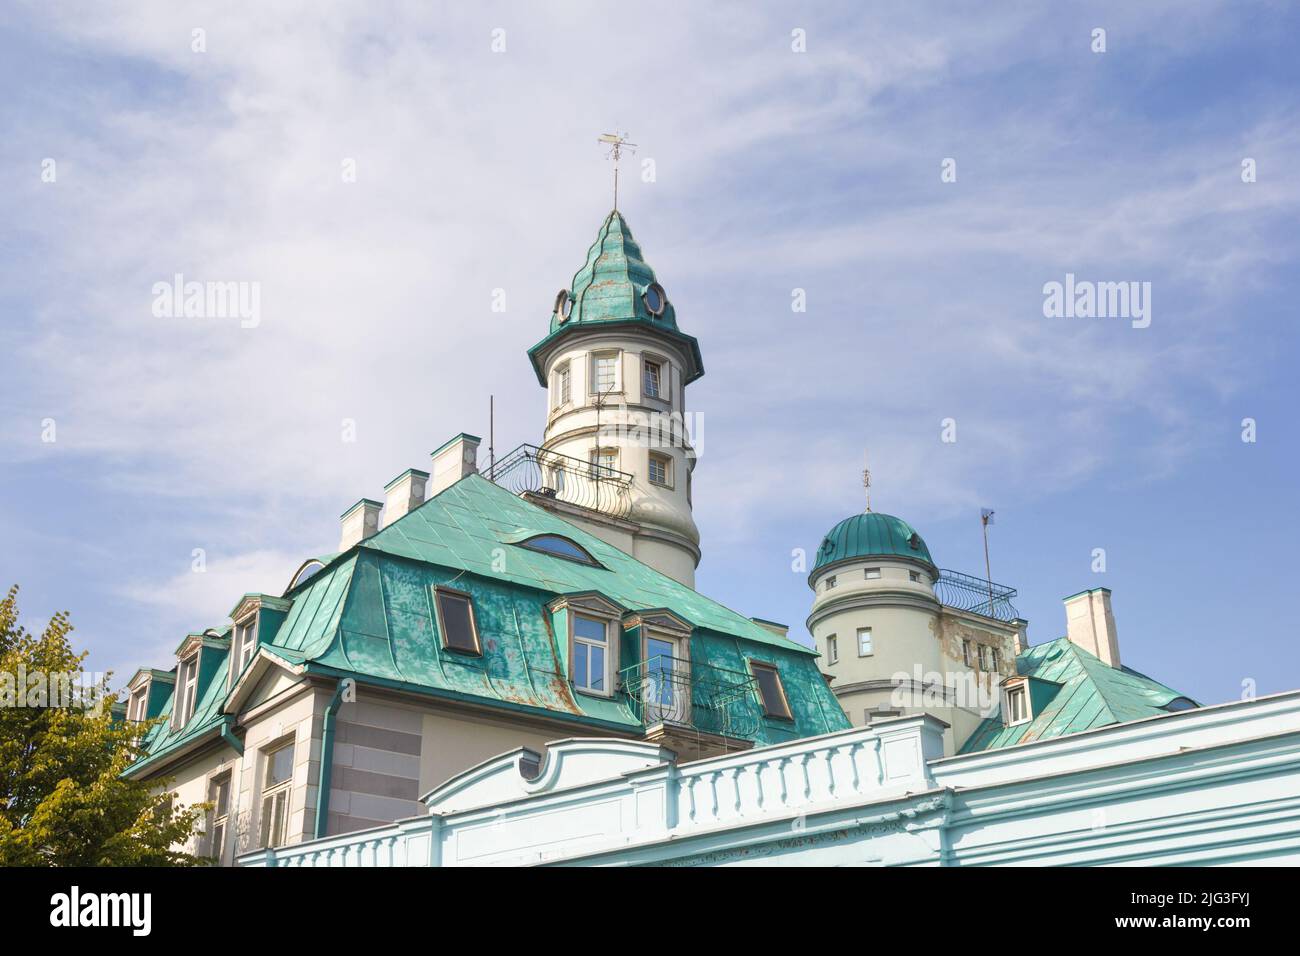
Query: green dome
point(872, 535)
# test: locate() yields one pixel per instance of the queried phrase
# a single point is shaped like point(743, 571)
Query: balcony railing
point(548, 474)
point(976, 595)
point(712, 700)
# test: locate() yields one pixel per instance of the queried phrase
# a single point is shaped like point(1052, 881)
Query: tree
point(63, 800)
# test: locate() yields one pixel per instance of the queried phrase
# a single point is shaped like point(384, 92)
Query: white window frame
point(966, 654)
point(276, 794)
point(914, 577)
point(993, 658)
point(563, 385)
point(1018, 692)
point(983, 657)
point(609, 649)
point(830, 582)
point(218, 827)
point(667, 463)
point(832, 649)
point(243, 645)
point(658, 365)
point(871, 574)
point(614, 387)
point(187, 689)
point(871, 648)
point(138, 705)
point(596, 458)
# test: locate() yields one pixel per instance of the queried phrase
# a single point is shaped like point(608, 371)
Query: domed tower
point(616, 456)
point(890, 642)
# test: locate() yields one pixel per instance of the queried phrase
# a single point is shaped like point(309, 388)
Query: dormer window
point(456, 621)
point(560, 547)
point(1015, 705)
point(591, 654)
point(187, 688)
point(138, 705)
point(243, 646)
point(771, 693)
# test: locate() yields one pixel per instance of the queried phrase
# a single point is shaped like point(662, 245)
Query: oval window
point(563, 304)
point(654, 298)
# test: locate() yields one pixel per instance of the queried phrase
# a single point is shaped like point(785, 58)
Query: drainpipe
point(345, 688)
point(229, 737)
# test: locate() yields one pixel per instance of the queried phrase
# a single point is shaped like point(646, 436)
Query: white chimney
point(404, 494)
point(453, 461)
point(359, 522)
point(1022, 635)
point(1090, 624)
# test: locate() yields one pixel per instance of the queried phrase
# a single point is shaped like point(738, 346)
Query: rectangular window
point(219, 815)
point(872, 573)
point(984, 658)
point(914, 576)
point(652, 370)
point(966, 655)
point(770, 692)
point(864, 642)
point(993, 657)
point(660, 469)
point(456, 621)
point(1017, 705)
point(275, 795)
point(604, 372)
point(590, 653)
point(135, 710)
point(244, 645)
point(832, 650)
point(562, 385)
point(187, 687)
point(603, 462)
point(830, 582)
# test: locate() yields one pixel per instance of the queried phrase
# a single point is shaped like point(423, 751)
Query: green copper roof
point(872, 535)
point(609, 289)
point(1073, 691)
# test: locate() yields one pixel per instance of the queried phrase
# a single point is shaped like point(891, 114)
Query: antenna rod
point(986, 516)
point(866, 479)
point(492, 451)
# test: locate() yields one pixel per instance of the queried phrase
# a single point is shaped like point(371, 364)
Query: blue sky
point(774, 170)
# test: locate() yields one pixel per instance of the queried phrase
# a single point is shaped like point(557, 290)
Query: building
point(479, 610)
point(1216, 786)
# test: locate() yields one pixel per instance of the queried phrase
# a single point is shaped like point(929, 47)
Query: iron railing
point(529, 469)
point(670, 690)
point(976, 595)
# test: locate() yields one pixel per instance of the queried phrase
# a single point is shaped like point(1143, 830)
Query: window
point(654, 298)
point(965, 654)
point(219, 815)
point(871, 574)
point(832, 650)
point(1016, 704)
point(563, 305)
point(604, 461)
point(914, 576)
point(830, 582)
point(652, 380)
point(187, 688)
point(456, 620)
point(770, 692)
point(993, 657)
point(660, 469)
point(137, 706)
point(275, 795)
point(245, 644)
point(562, 385)
point(864, 642)
point(604, 372)
point(590, 653)
point(984, 658)
point(560, 547)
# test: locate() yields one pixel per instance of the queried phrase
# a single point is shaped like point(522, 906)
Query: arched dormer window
point(308, 568)
point(560, 547)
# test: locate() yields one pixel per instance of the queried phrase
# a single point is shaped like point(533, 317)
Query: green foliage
point(63, 801)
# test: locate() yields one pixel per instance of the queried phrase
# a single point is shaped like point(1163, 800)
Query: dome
point(872, 535)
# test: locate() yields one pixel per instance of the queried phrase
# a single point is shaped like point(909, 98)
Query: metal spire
point(616, 142)
point(866, 479)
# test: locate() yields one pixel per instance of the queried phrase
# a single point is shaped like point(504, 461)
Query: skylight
point(561, 548)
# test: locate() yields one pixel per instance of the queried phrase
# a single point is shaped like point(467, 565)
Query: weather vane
point(617, 142)
point(866, 478)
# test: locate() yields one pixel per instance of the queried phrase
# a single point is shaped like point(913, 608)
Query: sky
point(388, 175)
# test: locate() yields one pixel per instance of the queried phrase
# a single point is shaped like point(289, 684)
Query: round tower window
point(654, 298)
point(563, 304)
